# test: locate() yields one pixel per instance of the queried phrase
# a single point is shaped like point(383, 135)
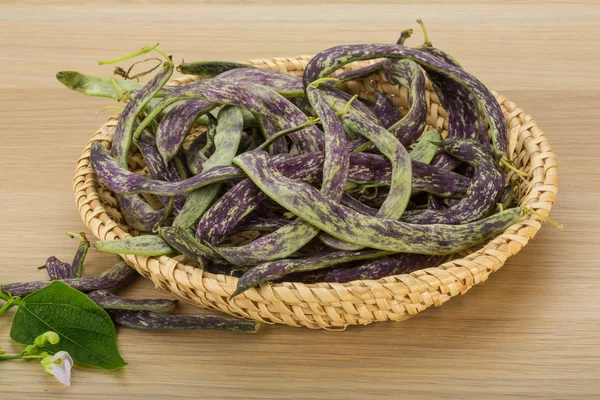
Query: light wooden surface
point(531, 331)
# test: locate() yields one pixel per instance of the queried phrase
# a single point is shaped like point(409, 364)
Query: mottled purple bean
point(138, 214)
point(395, 264)
point(290, 238)
point(176, 125)
point(80, 254)
point(210, 68)
point(401, 176)
point(155, 321)
point(482, 194)
point(285, 84)
point(157, 167)
point(110, 278)
point(385, 109)
point(258, 99)
point(330, 60)
point(344, 223)
point(261, 223)
point(276, 269)
point(408, 74)
point(270, 128)
point(109, 301)
point(184, 241)
point(57, 269)
point(193, 158)
point(356, 205)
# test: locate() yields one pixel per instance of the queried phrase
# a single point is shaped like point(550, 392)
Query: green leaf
point(86, 331)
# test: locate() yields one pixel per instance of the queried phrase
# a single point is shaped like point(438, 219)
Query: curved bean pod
point(227, 140)
point(330, 60)
point(157, 168)
point(138, 214)
point(461, 105)
point(274, 246)
point(193, 158)
point(183, 241)
point(210, 68)
point(353, 227)
point(145, 245)
point(285, 84)
point(401, 178)
point(395, 264)
point(109, 301)
point(155, 321)
point(258, 99)
point(261, 224)
point(270, 128)
point(385, 109)
point(408, 74)
point(79, 257)
point(487, 183)
point(57, 269)
point(176, 125)
point(276, 269)
point(290, 238)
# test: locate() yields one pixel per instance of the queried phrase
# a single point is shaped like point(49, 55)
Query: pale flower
point(60, 366)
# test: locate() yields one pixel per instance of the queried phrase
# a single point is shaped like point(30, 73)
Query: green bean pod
point(145, 245)
point(185, 242)
point(424, 151)
point(227, 140)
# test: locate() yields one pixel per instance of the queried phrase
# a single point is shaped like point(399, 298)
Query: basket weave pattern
point(336, 305)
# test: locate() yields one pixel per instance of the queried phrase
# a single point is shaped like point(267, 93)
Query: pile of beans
point(340, 188)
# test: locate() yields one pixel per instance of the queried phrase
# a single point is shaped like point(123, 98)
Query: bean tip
point(256, 327)
point(235, 293)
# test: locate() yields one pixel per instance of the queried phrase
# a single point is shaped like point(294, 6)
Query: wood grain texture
point(530, 331)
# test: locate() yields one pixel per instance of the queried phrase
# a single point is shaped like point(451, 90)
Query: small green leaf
point(86, 330)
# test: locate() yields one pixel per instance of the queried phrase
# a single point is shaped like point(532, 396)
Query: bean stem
point(109, 108)
point(404, 35)
point(154, 113)
point(123, 93)
point(168, 210)
point(311, 121)
point(80, 236)
point(4, 296)
point(143, 50)
point(323, 80)
point(426, 42)
point(10, 303)
point(506, 162)
point(16, 357)
point(544, 217)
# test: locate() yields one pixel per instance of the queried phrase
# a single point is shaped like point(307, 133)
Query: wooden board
point(530, 331)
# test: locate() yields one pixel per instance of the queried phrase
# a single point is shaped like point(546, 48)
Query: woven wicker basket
point(335, 305)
